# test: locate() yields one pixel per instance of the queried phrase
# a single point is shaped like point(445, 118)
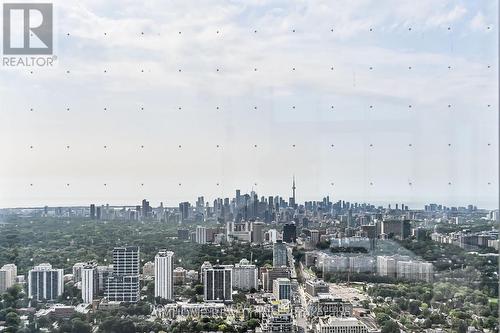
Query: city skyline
point(210, 201)
point(216, 262)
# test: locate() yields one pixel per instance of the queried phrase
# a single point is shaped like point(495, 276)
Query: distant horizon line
point(377, 205)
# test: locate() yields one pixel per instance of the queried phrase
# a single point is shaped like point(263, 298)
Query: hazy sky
point(202, 97)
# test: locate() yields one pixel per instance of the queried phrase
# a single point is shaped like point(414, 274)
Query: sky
point(386, 101)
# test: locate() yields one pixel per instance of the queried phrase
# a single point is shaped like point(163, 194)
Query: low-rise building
point(56, 311)
point(179, 276)
point(340, 325)
point(148, 269)
point(314, 287)
point(326, 305)
point(277, 317)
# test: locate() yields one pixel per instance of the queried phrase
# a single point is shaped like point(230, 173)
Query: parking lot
point(347, 292)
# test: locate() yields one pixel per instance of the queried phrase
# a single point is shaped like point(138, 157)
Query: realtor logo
point(27, 29)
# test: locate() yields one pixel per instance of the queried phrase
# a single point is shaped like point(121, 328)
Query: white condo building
point(206, 265)
point(201, 235)
point(90, 282)
point(45, 283)
point(403, 267)
point(361, 264)
point(77, 271)
point(273, 235)
point(387, 265)
point(164, 267)
point(415, 270)
point(341, 263)
point(245, 276)
point(8, 274)
point(315, 236)
point(331, 264)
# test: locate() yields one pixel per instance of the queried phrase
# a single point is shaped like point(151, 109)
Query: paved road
point(300, 314)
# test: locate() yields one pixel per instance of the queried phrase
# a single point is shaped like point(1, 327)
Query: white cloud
point(447, 17)
point(478, 22)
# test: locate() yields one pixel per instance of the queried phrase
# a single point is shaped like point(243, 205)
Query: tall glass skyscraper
point(279, 254)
